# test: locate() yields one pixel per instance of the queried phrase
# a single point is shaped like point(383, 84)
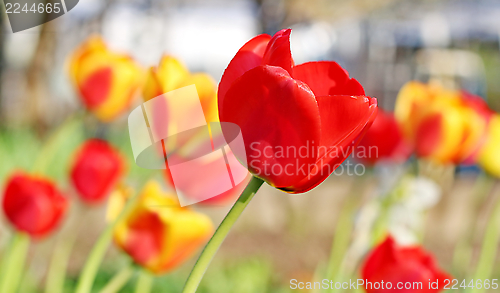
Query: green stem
point(489, 247)
point(144, 282)
point(213, 245)
point(341, 240)
point(12, 268)
point(62, 252)
point(119, 280)
point(97, 253)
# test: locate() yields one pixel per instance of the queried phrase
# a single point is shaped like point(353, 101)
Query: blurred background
point(382, 43)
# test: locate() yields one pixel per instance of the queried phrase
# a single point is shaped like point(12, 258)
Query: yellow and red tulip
point(106, 81)
point(446, 126)
point(33, 204)
point(488, 155)
point(171, 74)
point(96, 169)
point(158, 234)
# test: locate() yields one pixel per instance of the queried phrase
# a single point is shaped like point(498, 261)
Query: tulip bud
point(33, 205)
point(96, 169)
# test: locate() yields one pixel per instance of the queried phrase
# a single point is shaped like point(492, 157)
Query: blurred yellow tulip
point(158, 234)
point(106, 81)
point(489, 156)
point(171, 74)
point(443, 125)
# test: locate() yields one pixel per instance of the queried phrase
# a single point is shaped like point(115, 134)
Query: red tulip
point(400, 266)
point(96, 170)
point(33, 205)
point(383, 141)
point(279, 107)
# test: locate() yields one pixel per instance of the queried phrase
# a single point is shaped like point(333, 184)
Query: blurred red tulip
point(399, 265)
point(384, 141)
point(96, 170)
point(33, 204)
point(313, 106)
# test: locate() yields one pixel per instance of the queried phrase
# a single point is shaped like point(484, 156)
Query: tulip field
point(306, 150)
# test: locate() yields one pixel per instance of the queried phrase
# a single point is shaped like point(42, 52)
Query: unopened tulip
point(106, 81)
point(158, 234)
point(400, 266)
point(298, 122)
point(96, 169)
point(33, 204)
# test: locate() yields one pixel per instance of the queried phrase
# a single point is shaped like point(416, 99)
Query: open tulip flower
point(96, 169)
point(443, 125)
point(33, 204)
point(283, 108)
point(158, 234)
point(401, 265)
point(106, 81)
point(386, 138)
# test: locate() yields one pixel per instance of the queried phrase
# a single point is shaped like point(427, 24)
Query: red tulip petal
point(386, 138)
point(256, 45)
point(327, 78)
point(273, 110)
point(344, 121)
point(33, 205)
point(278, 51)
point(144, 239)
point(96, 170)
point(390, 263)
point(342, 115)
point(428, 135)
point(95, 89)
point(249, 56)
point(384, 254)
